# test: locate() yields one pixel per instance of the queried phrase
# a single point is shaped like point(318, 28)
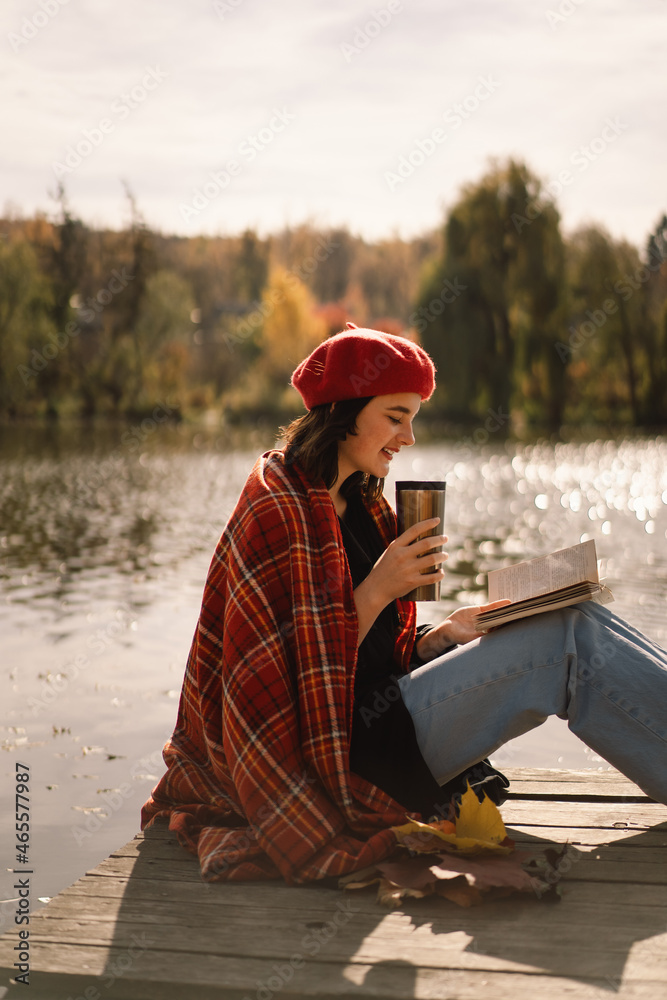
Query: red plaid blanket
point(258, 783)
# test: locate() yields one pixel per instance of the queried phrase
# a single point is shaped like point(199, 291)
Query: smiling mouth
point(389, 454)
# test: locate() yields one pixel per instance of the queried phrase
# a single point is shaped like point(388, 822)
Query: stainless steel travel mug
point(417, 501)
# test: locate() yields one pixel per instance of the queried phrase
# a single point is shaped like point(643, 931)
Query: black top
point(383, 747)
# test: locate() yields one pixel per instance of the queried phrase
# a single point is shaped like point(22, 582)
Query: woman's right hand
point(401, 566)
point(398, 571)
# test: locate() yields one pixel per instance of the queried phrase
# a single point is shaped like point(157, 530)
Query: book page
point(544, 574)
point(549, 602)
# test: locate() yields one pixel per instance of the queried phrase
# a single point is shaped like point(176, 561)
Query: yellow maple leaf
point(480, 820)
point(479, 828)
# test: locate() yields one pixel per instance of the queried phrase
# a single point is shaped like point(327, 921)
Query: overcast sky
point(314, 106)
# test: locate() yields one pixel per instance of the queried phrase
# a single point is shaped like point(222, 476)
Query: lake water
point(105, 540)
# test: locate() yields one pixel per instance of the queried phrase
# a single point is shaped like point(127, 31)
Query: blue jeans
point(581, 663)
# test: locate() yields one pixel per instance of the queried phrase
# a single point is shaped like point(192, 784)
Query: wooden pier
point(143, 926)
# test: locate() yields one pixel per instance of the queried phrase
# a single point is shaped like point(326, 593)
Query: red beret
point(357, 363)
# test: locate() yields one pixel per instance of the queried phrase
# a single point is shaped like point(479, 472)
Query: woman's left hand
point(459, 628)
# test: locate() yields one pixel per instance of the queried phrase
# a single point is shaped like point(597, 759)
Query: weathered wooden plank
point(484, 943)
point(592, 776)
point(482, 951)
point(601, 815)
point(165, 851)
point(575, 792)
point(620, 862)
point(168, 847)
point(168, 914)
point(211, 977)
point(542, 935)
point(568, 785)
point(625, 850)
point(589, 836)
point(620, 869)
point(478, 955)
point(159, 831)
point(177, 870)
point(284, 899)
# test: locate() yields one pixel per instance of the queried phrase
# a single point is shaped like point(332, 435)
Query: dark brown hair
point(312, 440)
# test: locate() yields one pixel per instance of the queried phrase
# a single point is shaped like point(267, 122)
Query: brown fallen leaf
point(486, 872)
point(460, 892)
point(390, 894)
point(461, 879)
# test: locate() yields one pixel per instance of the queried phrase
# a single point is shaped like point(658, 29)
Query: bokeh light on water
point(509, 503)
point(105, 541)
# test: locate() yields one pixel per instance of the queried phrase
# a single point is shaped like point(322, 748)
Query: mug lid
point(416, 484)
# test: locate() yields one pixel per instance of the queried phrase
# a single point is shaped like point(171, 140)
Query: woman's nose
point(406, 435)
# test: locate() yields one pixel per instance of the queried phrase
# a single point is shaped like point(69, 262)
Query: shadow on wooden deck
point(143, 925)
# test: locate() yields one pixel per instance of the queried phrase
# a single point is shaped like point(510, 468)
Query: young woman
point(314, 715)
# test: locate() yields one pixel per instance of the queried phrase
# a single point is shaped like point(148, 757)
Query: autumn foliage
point(552, 330)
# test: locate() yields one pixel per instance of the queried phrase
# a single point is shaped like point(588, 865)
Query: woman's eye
point(394, 420)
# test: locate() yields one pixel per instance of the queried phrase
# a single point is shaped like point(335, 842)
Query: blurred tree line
point(529, 328)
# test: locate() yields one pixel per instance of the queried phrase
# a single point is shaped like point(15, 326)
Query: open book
point(543, 584)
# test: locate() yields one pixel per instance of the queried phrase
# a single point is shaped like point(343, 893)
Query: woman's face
point(384, 426)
